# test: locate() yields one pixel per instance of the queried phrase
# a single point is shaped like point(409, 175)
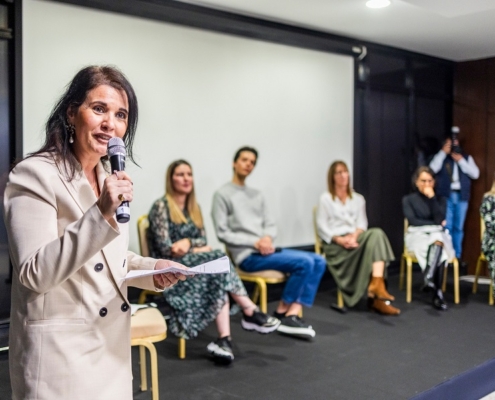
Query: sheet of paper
point(218, 266)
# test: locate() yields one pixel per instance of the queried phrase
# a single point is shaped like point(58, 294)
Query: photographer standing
point(454, 170)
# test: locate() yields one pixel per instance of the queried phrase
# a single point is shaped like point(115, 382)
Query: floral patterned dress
point(196, 301)
point(487, 211)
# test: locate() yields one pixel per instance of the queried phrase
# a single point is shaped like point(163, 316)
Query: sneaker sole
point(218, 353)
point(250, 326)
point(299, 332)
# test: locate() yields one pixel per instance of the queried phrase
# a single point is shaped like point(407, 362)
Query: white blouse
point(335, 218)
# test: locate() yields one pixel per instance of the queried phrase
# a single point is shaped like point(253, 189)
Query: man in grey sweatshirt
point(244, 225)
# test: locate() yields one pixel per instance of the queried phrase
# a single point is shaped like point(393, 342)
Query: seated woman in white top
point(357, 257)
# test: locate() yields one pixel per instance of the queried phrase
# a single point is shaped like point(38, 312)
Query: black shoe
point(463, 268)
point(438, 302)
point(278, 315)
point(295, 326)
point(260, 322)
point(221, 350)
point(427, 286)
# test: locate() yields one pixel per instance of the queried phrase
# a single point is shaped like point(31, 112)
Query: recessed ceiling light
point(378, 3)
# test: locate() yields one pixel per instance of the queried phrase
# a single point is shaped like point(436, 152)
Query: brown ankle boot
point(384, 308)
point(376, 289)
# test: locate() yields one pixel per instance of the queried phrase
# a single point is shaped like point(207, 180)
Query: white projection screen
point(202, 95)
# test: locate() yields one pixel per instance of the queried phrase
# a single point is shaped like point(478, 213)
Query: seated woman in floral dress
point(176, 232)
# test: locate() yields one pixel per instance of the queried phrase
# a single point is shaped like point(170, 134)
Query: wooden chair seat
point(270, 275)
point(261, 279)
point(147, 327)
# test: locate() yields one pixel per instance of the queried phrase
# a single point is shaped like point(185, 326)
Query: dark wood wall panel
point(474, 113)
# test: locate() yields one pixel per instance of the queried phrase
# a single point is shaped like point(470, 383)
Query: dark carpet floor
point(358, 355)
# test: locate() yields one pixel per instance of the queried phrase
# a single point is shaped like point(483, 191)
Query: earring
point(71, 130)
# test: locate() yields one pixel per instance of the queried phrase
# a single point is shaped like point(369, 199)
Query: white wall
point(202, 95)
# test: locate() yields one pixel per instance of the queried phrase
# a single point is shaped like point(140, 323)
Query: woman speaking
point(70, 319)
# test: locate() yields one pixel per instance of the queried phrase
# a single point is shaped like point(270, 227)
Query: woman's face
point(182, 179)
point(341, 176)
point(102, 116)
point(424, 182)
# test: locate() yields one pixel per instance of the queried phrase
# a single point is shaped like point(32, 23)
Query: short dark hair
point(246, 148)
point(87, 79)
point(419, 171)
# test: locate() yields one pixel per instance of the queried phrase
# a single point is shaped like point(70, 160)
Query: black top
point(420, 210)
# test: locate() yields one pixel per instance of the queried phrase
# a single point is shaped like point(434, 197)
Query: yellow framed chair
point(409, 259)
point(482, 259)
point(340, 306)
point(147, 328)
point(261, 279)
point(143, 224)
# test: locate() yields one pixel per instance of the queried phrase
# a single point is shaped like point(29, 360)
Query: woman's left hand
point(181, 247)
point(168, 279)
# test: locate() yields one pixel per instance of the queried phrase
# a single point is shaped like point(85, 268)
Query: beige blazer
point(70, 319)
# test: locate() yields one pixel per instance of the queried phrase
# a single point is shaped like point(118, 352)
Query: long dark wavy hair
point(57, 136)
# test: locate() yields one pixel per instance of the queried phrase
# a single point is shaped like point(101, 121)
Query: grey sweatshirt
point(241, 218)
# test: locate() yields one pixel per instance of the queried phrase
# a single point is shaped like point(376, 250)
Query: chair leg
point(142, 297)
point(401, 276)
point(477, 274)
point(154, 368)
point(340, 299)
point(182, 348)
point(456, 280)
point(409, 280)
point(142, 368)
point(490, 295)
point(263, 296)
point(256, 293)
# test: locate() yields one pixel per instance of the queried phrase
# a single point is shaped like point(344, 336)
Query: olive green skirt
point(352, 268)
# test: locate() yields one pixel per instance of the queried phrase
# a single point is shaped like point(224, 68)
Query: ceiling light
point(377, 3)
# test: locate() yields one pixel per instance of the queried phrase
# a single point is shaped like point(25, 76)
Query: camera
point(456, 148)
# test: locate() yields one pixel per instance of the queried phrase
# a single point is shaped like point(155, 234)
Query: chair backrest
point(318, 246)
point(143, 224)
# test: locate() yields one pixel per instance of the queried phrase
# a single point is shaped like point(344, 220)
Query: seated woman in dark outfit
point(426, 236)
point(176, 233)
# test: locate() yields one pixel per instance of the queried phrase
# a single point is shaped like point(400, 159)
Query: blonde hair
point(331, 181)
point(176, 214)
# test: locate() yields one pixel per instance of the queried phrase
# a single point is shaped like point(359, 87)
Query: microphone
point(116, 153)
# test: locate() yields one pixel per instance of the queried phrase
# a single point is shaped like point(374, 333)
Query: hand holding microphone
point(117, 190)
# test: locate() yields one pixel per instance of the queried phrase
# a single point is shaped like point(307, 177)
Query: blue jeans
point(305, 269)
point(456, 215)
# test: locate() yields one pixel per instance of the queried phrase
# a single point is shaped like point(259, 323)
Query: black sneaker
point(221, 350)
point(278, 315)
point(260, 322)
point(295, 326)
